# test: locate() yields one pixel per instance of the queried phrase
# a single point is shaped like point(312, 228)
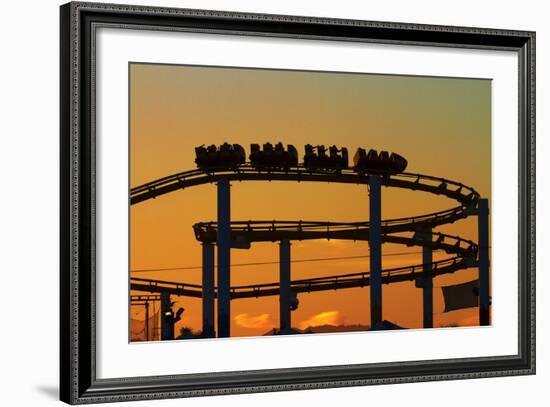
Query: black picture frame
point(78, 382)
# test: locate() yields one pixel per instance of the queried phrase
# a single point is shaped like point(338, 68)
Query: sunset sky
point(441, 125)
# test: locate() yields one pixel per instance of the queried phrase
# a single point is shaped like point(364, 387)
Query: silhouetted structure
point(273, 157)
point(425, 281)
point(316, 158)
point(374, 163)
point(385, 326)
point(148, 325)
point(269, 156)
point(168, 318)
point(226, 163)
point(225, 156)
point(284, 284)
point(375, 244)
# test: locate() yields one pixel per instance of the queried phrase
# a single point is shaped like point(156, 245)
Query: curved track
point(394, 275)
point(273, 230)
point(246, 172)
point(465, 251)
point(466, 196)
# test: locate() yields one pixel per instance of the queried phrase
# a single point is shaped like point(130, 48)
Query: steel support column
point(375, 242)
point(208, 290)
point(284, 286)
point(147, 320)
point(427, 280)
point(483, 241)
point(224, 258)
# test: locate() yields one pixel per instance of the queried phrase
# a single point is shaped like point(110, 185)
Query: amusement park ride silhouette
point(227, 163)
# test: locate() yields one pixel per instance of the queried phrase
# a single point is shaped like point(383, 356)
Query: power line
point(274, 262)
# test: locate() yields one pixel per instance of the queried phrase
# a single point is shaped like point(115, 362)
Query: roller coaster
point(225, 234)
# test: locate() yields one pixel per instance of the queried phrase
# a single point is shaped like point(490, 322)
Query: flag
point(461, 296)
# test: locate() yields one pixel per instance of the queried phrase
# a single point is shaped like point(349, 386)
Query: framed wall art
point(256, 203)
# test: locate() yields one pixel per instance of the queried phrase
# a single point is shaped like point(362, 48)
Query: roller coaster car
point(374, 163)
point(337, 159)
point(225, 156)
point(399, 162)
point(273, 157)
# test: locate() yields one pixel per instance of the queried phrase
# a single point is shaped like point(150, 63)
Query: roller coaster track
point(246, 172)
point(394, 275)
point(465, 251)
point(466, 196)
point(273, 231)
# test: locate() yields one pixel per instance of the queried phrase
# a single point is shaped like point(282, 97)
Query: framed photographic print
point(256, 203)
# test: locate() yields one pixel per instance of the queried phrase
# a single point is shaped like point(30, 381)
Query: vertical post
point(147, 320)
point(483, 264)
point(375, 242)
point(208, 290)
point(284, 286)
point(427, 279)
point(166, 318)
point(224, 258)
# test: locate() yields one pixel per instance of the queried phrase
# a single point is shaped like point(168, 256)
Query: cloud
point(323, 318)
point(249, 321)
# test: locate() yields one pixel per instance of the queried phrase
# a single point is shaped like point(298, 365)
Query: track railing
point(246, 172)
point(465, 250)
point(335, 282)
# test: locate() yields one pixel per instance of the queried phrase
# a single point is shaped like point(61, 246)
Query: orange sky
point(442, 126)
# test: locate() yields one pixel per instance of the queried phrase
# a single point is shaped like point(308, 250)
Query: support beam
point(284, 286)
point(427, 280)
point(147, 321)
point(224, 258)
point(208, 291)
point(375, 242)
point(166, 318)
point(483, 241)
